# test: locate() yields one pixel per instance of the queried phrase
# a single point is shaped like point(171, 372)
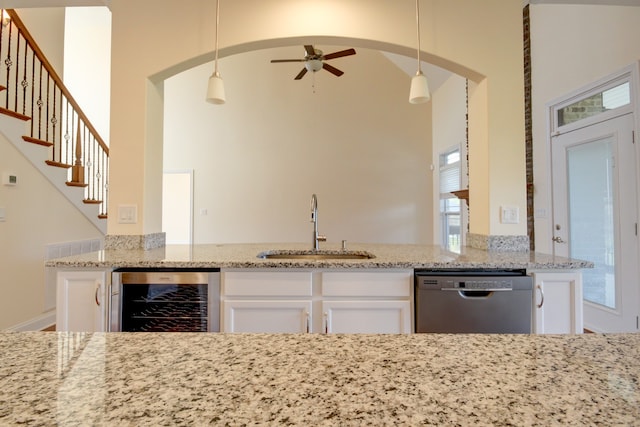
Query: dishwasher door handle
point(471, 295)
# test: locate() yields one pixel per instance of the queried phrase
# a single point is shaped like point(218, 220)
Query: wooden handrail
point(56, 78)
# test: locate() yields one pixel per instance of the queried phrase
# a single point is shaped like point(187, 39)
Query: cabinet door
point(558, 303)
point(389, 284)
point(267, 316)
point(367, 317)
point(81, 301)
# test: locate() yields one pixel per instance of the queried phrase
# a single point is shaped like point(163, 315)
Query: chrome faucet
point(317, 238)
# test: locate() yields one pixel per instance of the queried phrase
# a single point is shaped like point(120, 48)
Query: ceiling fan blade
point(301, 74)
point(332, 70)
point(287, 60)
point(309, 49)
point(339, 54)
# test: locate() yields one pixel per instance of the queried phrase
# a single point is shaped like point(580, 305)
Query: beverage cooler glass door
point(165, 301)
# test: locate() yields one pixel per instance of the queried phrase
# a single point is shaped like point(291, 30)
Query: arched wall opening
point(482, 42)
point(353, 140)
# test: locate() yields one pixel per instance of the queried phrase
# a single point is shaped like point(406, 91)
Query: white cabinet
point(367, 317)
point(258, 316)
point(81, 298)
point(317, 301)
point(266, 302)
point(367, 302)
point(557, 303)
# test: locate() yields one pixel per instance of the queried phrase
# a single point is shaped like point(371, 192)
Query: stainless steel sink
point(315, 255)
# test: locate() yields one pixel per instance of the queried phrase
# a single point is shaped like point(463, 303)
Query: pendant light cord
point(418, 27)
point(217, 27)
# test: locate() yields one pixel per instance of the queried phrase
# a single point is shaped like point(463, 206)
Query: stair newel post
point(77, 171)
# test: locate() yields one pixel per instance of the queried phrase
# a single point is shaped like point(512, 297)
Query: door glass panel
point(451, 224)
point(591, 207)
point(600, 102)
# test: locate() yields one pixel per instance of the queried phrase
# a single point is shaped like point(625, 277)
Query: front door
point(595, 218)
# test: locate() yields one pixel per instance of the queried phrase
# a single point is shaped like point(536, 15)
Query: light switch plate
point(127, 214)
point(509, 215)
point(3, 215)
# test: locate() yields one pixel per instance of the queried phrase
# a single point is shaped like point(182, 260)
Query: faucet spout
point(317, 237)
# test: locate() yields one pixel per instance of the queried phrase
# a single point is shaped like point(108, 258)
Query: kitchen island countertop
point(246, 256)
point(142, 379)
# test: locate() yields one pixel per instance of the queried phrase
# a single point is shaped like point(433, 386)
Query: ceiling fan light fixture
point(313, 65)
point(419, 93)
point(215, 89)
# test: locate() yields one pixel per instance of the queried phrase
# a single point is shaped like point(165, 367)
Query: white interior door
point(595, 218)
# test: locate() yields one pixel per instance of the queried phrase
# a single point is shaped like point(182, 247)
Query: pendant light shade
point(419, 93)
point(215, 89)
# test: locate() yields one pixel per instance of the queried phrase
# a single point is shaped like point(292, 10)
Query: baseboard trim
point(44, 321)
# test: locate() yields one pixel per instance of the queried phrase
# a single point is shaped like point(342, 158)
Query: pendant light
point(419, 93)
point(215, 89)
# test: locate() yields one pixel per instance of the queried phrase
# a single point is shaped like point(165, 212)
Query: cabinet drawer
point(367, 284)
point(267, 284)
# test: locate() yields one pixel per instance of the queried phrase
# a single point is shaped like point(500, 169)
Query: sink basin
point(315, 255)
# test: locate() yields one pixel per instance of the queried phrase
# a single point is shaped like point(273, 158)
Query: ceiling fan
point(314, 60)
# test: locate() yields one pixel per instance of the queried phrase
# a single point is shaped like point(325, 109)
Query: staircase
point(41, 118)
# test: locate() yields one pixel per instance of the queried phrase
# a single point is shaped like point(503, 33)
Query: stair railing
point(33, 91)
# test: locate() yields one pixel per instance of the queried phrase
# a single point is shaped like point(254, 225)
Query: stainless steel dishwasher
point(466, 301)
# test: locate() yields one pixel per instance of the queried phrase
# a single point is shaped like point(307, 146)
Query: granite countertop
point(245, 256)
point(174, 379)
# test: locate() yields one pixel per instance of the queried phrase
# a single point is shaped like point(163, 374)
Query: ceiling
point(435, 74)
point(16, 4)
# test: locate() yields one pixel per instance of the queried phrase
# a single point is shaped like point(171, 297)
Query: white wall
point(87, 62)
point(46, 25)
point(37, 215)
point(572, 46)
point(258, 158)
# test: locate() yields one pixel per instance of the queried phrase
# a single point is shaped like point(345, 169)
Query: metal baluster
point(25, 82)
point(7, 62)
point(33, 89)
point(17, 71)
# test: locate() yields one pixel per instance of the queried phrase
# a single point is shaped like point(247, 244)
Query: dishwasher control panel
point(479, 285)
point(470, 282)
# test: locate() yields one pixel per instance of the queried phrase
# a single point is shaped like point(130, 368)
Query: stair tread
point(76, 184)
point(11, 113)
point(37, 141)
point(57, 164)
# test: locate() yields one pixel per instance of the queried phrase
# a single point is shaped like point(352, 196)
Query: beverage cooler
point(165, 300)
